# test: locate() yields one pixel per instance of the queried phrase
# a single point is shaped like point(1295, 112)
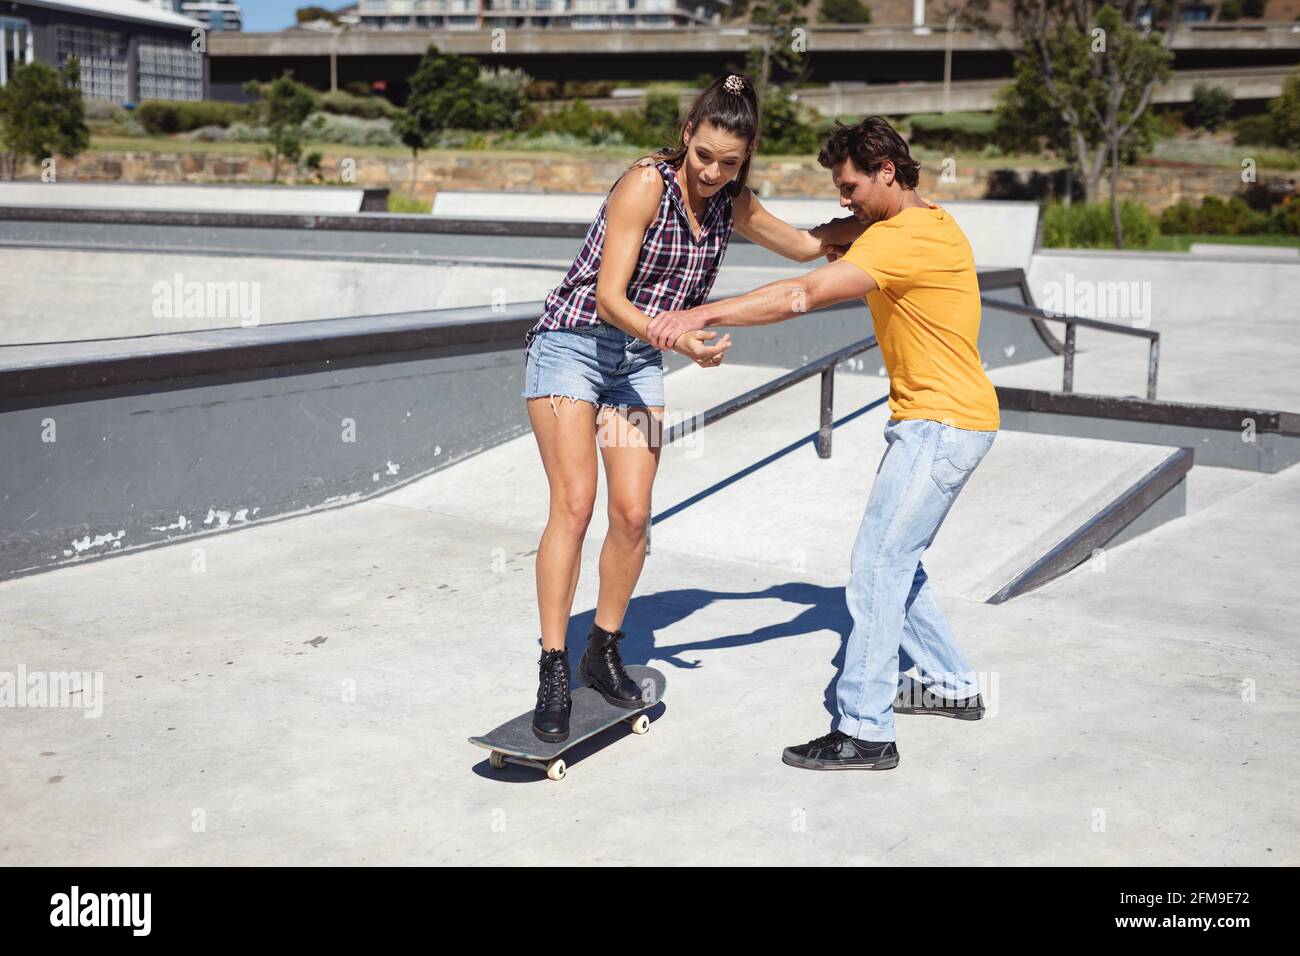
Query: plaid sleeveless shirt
point(673, 271)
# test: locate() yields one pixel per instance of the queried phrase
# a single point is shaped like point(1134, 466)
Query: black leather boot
point(551, 716)
point(602, 669)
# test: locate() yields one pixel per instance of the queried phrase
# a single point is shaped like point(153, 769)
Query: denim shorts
point(600, 364)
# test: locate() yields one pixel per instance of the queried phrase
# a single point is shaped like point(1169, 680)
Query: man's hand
point(834, 252)
point(665, 327)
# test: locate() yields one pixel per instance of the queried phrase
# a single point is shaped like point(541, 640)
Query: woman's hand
point(699, 347)
point(665, 327)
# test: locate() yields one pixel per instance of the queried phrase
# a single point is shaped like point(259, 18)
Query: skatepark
point(289, 635)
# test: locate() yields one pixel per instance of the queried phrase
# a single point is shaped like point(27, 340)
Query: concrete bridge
point(899, 99)
point(873, 54)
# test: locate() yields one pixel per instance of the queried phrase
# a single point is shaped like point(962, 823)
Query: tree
point(1209, 108)
point(281, 106)
point(780, 24)
point(453, 92)
point(1285, 113)
point(42, 113)
point(1229, 11)
point(1254, 9)
point(1094, 68)
point(441, 91)
point(843, 11)
point(308, 14)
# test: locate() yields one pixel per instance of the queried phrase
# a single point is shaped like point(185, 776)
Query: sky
point(262, 15)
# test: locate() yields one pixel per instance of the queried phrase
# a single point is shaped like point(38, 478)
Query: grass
point(1181, 243)
point(160, 145)
point(1214, 153)
point(400, 202)
point(1267, 159)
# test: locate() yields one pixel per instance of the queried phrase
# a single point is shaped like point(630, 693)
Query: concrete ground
point(302, 691)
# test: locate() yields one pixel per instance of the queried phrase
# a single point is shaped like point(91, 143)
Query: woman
point(655, 245)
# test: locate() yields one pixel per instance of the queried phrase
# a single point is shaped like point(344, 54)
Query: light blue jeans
point(897, 623)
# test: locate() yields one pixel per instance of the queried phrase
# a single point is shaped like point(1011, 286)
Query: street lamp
point(346, 23)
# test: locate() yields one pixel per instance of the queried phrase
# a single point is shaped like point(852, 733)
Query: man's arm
point(761, 227)
point(775, 302)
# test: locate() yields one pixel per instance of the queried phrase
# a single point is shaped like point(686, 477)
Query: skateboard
point(514, 741)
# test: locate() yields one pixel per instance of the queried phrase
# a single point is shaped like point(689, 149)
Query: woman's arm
point(762, 228)
point(632, 207)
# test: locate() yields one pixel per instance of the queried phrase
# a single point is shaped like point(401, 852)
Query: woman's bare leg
point(629, 440)
point(565, 433)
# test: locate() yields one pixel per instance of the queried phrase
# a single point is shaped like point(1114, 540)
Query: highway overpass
point(873, 55)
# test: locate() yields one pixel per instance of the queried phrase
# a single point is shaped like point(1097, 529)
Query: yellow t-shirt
point(926, 313)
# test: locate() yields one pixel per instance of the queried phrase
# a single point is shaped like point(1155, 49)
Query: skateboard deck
point(514, 741)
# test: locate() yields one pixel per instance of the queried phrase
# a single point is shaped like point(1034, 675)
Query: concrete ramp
point(103, 294)
point(1001, 233)
point(242, 198)
point(751, 489)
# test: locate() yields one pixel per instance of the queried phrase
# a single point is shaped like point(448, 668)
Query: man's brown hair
point(869, 144)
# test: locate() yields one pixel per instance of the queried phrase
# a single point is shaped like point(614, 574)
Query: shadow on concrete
point(823, 609)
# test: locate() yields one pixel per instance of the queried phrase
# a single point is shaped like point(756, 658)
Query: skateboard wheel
point(556, 769)
point(497, 760)
point(640, 724)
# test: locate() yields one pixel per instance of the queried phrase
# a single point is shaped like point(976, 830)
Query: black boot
point(551, 717)
point(602, 669)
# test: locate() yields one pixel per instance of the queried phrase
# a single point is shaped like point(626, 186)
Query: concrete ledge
point(1247, 438)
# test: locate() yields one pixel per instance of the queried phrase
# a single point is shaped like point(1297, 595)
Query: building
point(575, 14)
point(213, 14)
point(666, 14)
point(128, 50)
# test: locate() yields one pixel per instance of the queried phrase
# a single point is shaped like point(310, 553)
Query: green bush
point(661, 115)
point(785, 132)
point(568, 89)
point(246, 133)
point(349, 130)
point(102, 111)
point(503, 98)
point(1253, 9)
point(164, 117)
point(1214, 217)
point(1229, 11)
point(209, 134)
point(363, 107)
point(1284, 111)
point(1254, 130)
point(1209, 108)
point(1285, 219)
point(577, 119)
point(952, 131)
point(843, 11)
point(1089, 225)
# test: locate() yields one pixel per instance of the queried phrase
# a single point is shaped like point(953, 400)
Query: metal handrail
point(825, 366)
point(1071, 321)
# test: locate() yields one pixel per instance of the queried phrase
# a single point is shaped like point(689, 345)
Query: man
point(914, 267)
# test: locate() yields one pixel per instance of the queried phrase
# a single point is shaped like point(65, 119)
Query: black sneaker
point(839, 751)
point(917, 699)
point(554, 703)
